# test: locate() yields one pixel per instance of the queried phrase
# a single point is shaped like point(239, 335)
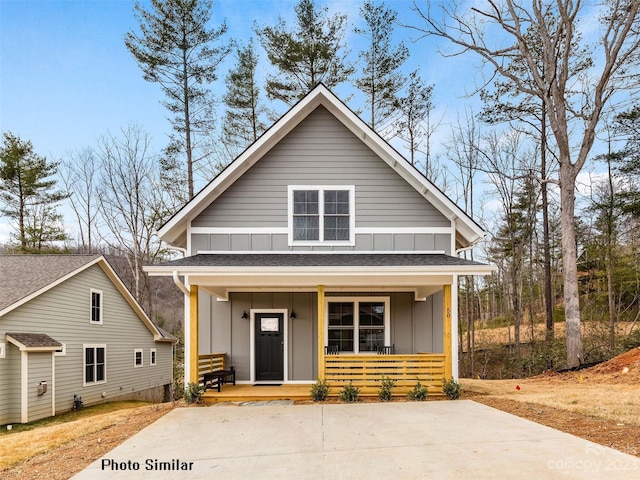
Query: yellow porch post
point(321, 332)
point(193, 333)
point(447, 315)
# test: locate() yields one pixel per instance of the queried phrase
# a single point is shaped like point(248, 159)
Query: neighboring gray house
point(320, 252)
point(68, 326)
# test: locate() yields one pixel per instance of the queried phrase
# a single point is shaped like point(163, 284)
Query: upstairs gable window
point(96, 307)
point(320, 215)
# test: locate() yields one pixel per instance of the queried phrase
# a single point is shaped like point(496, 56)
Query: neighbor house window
point(358, 325)
point(96, 306)
point(321, 215)
point(95, 364)
point(137, 357)
point(152, 356)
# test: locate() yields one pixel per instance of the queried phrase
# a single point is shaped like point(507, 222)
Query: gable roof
point(33, 341)
point(174, 230)
point(24, 277)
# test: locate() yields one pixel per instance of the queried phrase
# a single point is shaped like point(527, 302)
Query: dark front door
point(269, 346)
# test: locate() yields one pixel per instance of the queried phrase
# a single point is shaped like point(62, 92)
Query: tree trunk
point(570, 264)
point(546, 242)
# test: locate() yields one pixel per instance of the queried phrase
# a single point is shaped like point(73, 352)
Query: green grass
point(73, 415)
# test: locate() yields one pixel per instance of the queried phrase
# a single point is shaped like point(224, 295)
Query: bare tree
point(79, 173)
point(131, 203)
point(464, 150)
point(574, 114)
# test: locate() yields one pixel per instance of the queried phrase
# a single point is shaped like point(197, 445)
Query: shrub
point(386, 387)
point(451, 389)
point(419, 393)
point(319, 391)
point(349, 394)
point(193, 393)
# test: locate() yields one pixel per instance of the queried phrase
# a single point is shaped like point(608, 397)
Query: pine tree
point(175, 49)
point(311, 53)
point(243, 122)
point(27, 192)
point(380, 80)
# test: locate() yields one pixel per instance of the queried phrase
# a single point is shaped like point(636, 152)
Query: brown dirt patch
point(623, 437)
point(599, 404)
point(65, 461)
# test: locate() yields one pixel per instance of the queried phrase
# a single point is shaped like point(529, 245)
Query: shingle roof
point(22, 275)
point(319, 259)
point(31, 340)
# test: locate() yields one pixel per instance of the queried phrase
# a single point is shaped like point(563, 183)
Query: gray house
point(320, 252)
point(69, 327)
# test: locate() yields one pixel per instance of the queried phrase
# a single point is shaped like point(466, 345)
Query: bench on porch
point(212, 370)
point(218, 378)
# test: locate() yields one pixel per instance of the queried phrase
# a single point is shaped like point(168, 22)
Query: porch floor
point(296, 392)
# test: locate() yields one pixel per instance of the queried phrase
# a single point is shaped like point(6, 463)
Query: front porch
point(363, 371)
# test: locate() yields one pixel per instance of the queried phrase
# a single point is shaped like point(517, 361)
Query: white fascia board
point(174, 227)
point(172, 230)
point(396, 161)
point(130, 299)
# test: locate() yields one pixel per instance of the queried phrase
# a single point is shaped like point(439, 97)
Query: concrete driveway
point(434, 440)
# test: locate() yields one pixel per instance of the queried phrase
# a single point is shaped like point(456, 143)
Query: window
point(358, 324)
point(62, 351)
point(137, 357)
point(96, 306)
point(321, 215)
point(95, 364)
point(152, 356)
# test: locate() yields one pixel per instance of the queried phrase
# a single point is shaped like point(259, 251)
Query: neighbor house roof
point(175, 230)
point(24, 277)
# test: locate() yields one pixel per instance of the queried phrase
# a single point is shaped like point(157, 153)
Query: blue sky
point(66, 77)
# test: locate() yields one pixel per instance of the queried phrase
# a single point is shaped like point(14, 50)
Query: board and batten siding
point(415, 327)
point(321, 151)
point(63, 313)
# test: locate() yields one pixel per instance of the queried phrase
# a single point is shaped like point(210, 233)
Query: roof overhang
point(30, 342)
point(468, 232)
point(252, 274)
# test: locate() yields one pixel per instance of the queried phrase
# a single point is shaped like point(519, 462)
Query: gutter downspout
point(179, 284)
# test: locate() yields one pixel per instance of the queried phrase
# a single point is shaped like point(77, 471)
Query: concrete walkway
point(434, 440)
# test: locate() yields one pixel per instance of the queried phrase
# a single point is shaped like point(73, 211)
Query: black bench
point(218, 377)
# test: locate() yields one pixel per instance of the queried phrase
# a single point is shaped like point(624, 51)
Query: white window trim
point(3, 349)
point(321, 189)
point(84, 364)
point(91, 292)
point(62, 353)
point(356, 319)
point(137, 351)
point(153, 357)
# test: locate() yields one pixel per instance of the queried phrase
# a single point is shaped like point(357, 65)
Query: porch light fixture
point(293, 315)
point(245, 315)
